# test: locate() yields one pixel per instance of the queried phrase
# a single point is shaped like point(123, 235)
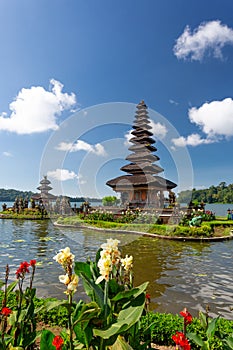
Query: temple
point(44, 195)
point(142, 186)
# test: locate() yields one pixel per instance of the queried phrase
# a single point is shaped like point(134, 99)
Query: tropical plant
point(18, 327)
point(111, 319)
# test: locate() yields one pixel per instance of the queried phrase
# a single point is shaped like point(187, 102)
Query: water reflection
point(180, 273)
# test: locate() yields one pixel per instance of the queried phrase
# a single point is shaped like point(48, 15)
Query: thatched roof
point(144, 167)
point(142, 156)
point(147, 181)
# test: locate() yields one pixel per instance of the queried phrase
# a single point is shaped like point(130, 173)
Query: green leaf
point(203, 320)
point(12, 286)
point(197, 339)
point(120, 344)
point(46, 340)
point(82, 268)
point(211, 327)
point(88, 312)
point(126, 319)
point(98, 292)
point(229, 342)
point(125, 294)
point(51, 305)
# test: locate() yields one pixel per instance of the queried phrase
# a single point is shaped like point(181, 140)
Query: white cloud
point(80, 145)
point(159, 130)
point(214, 118)
point(128, 136)
point(62, 174)
point(191, 140)
point(35, 109)
point(208, 37)
point(7, 154)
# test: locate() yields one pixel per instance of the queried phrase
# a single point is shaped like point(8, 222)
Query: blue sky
point(73, 71)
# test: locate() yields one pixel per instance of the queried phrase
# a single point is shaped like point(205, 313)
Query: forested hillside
point(222, 193)
point(10, 195)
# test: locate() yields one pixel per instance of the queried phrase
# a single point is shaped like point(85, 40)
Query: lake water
point(218, 209)
point(180, 274)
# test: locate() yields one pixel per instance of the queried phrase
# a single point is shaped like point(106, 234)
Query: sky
point(73, 71)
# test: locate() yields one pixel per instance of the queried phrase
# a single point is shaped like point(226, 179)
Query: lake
point(218, 209)
point(180, 274)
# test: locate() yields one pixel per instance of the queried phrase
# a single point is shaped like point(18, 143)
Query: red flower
point(6, 311)
point(148, 297)
point(180, 339)
point(23, 268)
point(57, 342)
point(32, 262)
point(187, 316)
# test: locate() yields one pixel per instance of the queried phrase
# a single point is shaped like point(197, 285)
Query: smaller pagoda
point(142, 186)
point(44, 196)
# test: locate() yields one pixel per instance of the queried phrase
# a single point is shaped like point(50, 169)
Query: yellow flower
point(65, 257)
point(109, 256)
point(72, 286)
point(64, 279)
point(70, 281)
point(127, 262)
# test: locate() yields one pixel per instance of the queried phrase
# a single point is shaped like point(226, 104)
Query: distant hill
point(222, 193)
point(9, 195)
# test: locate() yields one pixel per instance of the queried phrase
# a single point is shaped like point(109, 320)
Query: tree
point(109, 200)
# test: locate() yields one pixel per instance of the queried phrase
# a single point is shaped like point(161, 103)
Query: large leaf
point(211, 327)
point(82, 268)
point(139, 291)
point(125, 294)
point(87, 312)
point(120, 344)
point(134, 310)
point(46, 340)
point(126, 319)
point(51, 305)
point(98, 292)
point(203, 319)
point(12, 286)
point(229, 342)
point(197, 339)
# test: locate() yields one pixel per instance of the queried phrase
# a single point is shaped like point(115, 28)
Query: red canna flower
point(6, 311)
point(23, 268)
point(32, 262)
point(57, 342)
point(180, 339)
point(148, 297)
point(187, 316)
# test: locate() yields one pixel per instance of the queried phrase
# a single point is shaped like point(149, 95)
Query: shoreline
point(152, 235)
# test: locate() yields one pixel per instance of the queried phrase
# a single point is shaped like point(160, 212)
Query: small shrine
point(142, 186)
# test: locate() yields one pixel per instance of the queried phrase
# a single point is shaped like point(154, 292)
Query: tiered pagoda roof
point(142, 170)
point(44, 189)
